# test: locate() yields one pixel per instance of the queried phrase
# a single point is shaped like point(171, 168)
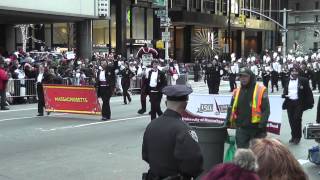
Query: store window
point(104, 31)
point(150, 24)
point(101, 32)
point(138, 23)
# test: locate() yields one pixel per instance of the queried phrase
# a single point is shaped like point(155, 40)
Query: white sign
point(213, 109)
point(104, 8)
point(165, 36)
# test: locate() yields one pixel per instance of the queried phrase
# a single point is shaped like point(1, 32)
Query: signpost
point(164, 22)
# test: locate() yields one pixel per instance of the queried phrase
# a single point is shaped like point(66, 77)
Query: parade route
point(81, 147)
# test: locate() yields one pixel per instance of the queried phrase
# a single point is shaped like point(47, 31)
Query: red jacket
point(3, 79)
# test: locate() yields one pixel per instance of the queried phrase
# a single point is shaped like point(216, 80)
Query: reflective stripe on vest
point(256, 105)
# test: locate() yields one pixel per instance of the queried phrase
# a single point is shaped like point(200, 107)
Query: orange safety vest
point(256, 105)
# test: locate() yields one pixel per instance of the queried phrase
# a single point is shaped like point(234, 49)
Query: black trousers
point(213, 86)
point(126, 95)
point(284, 81)
point(155, 100)
point(40, 94)
point(196, 76)
point(3, 98)
point(232, 81)
point(294, 110)
point(105, 94)
point(266, 81)
point(274, 81)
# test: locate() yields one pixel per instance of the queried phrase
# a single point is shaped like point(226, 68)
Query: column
point(121, 34)
point(10, 38)
point(243, 37)
point(84, 39)
point(187, 43)
point(239, 44)
point(259, 42)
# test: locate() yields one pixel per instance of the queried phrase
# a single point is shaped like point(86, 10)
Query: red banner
point(71, 99)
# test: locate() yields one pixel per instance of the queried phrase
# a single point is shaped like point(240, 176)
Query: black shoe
point(124, 103)
point(141, 111)
point(39, 114)
point(48, 113)
point(105, 119)
point(291, 140)
point(149, 113)
point(296, 141)
point(4, 108)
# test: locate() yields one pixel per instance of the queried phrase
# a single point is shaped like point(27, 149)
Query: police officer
point(213, 76)
point(169, 146)
point(250, 121)
point(196, 71)
point(155, 82)
point(106, 80)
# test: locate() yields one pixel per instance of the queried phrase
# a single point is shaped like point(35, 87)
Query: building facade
point(256, 33)
point(304, 25)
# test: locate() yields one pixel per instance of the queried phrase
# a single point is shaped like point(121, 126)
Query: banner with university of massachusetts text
point(71, 99)
point(213, 109)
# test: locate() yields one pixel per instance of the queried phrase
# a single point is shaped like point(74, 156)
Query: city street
point(81, 147)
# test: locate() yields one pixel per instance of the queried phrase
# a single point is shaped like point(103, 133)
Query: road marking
point(11, 119)
point(14, 110)
point(90, 124)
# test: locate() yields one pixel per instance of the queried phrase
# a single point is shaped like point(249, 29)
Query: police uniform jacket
point(305, 96)
point(169, 147)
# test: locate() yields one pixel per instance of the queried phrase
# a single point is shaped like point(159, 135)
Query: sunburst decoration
point(205, 47)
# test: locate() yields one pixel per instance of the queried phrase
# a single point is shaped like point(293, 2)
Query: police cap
point(177, 92)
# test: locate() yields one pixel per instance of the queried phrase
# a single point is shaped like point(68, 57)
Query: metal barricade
point(21, 88)
point(135, 85)
point(182, 79)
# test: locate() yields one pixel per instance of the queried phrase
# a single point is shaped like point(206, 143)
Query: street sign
point(165, 21)
point(161, 13)
point(160, 3)
point(165, 36)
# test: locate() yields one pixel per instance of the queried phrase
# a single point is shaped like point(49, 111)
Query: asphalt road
point(80, 147)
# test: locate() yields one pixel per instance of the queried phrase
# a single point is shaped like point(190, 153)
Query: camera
point(311, 131)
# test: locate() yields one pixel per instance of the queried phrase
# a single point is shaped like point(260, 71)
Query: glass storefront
point(104, 31)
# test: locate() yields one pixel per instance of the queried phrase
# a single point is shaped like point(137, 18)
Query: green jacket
point(245, 105)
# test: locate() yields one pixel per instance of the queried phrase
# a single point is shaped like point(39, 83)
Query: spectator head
point(276, 161)
point(245, 159)
point(243, 167)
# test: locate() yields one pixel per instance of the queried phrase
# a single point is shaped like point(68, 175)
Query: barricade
point(21, 88)
point(135, 85)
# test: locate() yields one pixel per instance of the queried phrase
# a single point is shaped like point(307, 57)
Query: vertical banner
point(71, 99)
point(213, 109)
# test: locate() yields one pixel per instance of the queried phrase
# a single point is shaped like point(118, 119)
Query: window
point(315, 45)
point(297, 6)
point(297, 19)
point(296, 35)
point(316, 6)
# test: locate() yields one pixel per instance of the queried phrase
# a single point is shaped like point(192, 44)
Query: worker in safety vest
point(249, 110)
